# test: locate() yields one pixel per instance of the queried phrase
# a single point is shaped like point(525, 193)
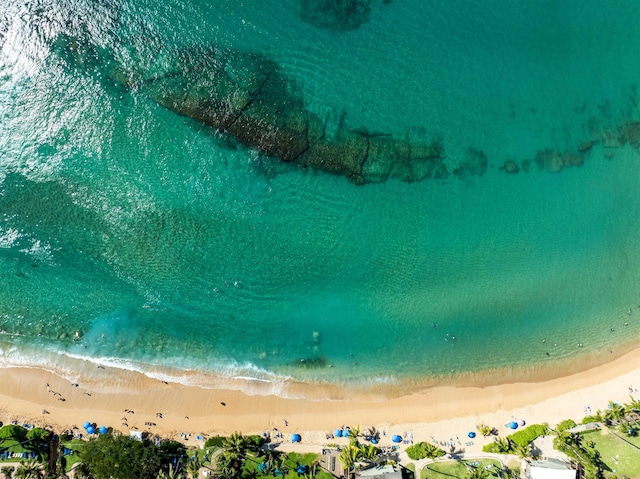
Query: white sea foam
point(9, 237)
point(247, 378)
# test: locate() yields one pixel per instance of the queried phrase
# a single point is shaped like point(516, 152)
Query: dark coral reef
point(337, 15)
point(245, 96)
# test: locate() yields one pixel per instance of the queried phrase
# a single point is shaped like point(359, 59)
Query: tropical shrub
point(590, 419)
point(529, 434)
point(254, 442)
point(566, 424)
point(38, 434)
point(13, 431)
point(500, 445)
point(424, 449)
point(122, 457)
point(214, 441)
point(7, 471)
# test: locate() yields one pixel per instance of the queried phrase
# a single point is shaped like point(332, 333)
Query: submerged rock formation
point(245, 96)
point(339, 15)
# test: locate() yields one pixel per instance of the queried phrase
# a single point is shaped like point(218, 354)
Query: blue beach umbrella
point(302, 469)
point(337, 433)
point(87, 424)
point(296, 438)
point(102, 430)
point(513, 425)
point(396, 438)
point(346, 432)
point(91, 430)
point(262, 467)
point(374, 441)
point(471, 434)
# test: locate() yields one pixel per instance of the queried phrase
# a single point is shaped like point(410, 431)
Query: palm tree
point(171, 473)
point(7, 471)
point(193, 466)
point(477, 472)
point(576, 440)
point(615, 412)
point(373, 433)
point(354, 433)
point(433, 451)
point(82, 471)
point(633, 404)
point(348, 457)
point(523, 450)
point(503, 444)
point(236, 445)
point(314, 466)
point(224, 470)
point(29, 470)
point(509, 473)
point(369, 452)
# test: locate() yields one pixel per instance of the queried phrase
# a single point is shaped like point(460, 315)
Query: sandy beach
point(40, 397)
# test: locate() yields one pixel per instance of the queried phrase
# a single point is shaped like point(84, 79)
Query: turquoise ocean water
point(171, 249)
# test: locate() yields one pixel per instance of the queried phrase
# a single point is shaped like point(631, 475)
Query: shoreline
point(442, 412)
point(113, 372)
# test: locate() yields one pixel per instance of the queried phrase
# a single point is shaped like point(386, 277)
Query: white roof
point(548, 473)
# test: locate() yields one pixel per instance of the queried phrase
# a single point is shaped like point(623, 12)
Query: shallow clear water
point(165, 244)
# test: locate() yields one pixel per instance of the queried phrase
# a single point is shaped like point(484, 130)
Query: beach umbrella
point(91, 430)
point(262, 467)
point(346, 432)
point(513, 425)
point(302, 469)
point(87, 424)
point(521, 422)
point(337, 433)
point(396, 438)
point(102, 430)
point(374, 441)
point(296, 438)
point(471, 434)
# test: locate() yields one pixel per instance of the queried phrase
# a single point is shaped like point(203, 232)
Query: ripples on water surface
point(166, 244)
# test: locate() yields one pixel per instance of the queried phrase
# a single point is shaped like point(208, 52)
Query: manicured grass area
point(203, 454)
point(453, 469)
point(76, 446)
point(622, 456)
point(292, 460)
point(13, 447)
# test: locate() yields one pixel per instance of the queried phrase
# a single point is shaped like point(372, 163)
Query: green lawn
point(292, 460)
point(619, 455)
point(12, 446)
point(75, 445)
point(456, 469)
